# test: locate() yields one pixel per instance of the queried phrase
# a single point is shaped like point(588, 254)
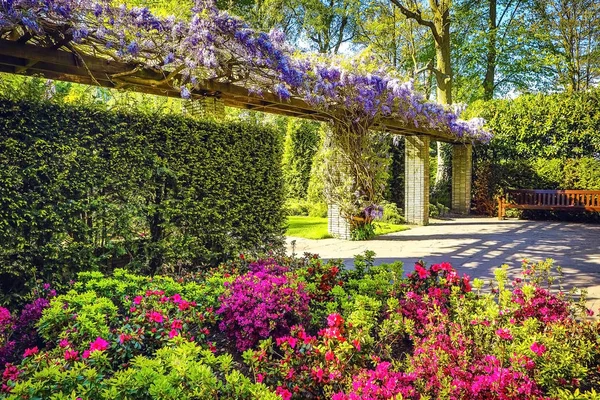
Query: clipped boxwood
point(81, 185)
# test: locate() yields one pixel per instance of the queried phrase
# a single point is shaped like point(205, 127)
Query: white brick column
point(462, 164)
point(337, 226)
point(416, 182)
point(204, 107)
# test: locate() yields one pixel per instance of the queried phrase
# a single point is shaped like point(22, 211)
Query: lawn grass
point(316, 228)
point(307, 227)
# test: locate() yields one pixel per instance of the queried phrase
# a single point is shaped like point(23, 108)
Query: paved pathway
point(478, 245)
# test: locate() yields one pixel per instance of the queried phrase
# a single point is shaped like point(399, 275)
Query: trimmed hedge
point(541, 142)
point(301, 144)
point(79, 186)
point(548, 126)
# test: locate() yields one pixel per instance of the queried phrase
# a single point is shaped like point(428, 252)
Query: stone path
point(478, 245)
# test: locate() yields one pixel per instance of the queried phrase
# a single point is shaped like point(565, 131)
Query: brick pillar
point(416, 182)
point(462, 164)
point(337, 226)
point(204, 107)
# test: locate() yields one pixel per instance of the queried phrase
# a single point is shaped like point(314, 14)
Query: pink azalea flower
point(422, 272)
point(318, 373)
point(138, 299)
point(98, 345)
point(284, 393)
point(329, 356)
point(86, 354)
point(123, 337)
point(155, 316)
point(71, 355)
point(30, 352)
point(538, 348)
point(335, 320)
point(504, 333)
point(63, 343)
point(176, 298)
point(173, 333)
point(292, 341)
point(466, 283)
point(176, 324)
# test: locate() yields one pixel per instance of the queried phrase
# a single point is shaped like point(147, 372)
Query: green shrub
point(80, 186)
point(179, 371)
point(295, 207)
point(437, 210)
point(85, 316)
point(317, 210)
point(301, 144)
point(391, 213)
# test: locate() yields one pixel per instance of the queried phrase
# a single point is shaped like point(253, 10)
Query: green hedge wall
point(540, 141)
point(79, 186)
point(548, 126)
point(301, 144)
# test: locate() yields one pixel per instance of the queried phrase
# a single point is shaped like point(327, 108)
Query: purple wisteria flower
point(215, 45)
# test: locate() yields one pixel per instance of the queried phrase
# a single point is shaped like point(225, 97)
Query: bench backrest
point(557, 198)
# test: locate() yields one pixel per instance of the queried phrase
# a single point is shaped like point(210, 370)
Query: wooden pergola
point(20, 57)
point(57, 61)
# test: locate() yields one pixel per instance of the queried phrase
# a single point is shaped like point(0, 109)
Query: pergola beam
point(19, 57)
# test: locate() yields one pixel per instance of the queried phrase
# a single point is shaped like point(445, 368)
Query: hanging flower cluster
point(215, 45)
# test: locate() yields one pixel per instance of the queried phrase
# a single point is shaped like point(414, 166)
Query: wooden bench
point(554, 200)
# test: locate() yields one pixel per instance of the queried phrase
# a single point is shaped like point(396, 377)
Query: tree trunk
point(444, 88)
point(490, 71)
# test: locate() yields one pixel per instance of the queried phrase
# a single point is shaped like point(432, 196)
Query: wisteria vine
point(215, 45)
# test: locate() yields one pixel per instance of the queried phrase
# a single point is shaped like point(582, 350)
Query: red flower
point(155, 316)
point(71, 355)
point(318, 374)
point(329, 356)
point(284, 393)
point(538, 349)
point(504, 333)
point(466, 283)
point(177, 324)
point(123, 337)
point(335, 320)
point(30, 352)
point(422, 272)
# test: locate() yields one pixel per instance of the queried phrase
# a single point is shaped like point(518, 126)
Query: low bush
point(263, 302)
point(391, 213)
point(302, 328)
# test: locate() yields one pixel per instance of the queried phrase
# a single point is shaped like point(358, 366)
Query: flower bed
point(282, 328)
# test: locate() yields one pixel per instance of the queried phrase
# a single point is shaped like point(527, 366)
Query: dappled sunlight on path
point(478, 245)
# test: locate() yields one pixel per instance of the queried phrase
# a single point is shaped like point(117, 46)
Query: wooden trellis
point(19, 57)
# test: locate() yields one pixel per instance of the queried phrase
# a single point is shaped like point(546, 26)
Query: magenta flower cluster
point(543, 305)
point(261, 304)
point(473, 375)
point(380, 384)
point(19, 334)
